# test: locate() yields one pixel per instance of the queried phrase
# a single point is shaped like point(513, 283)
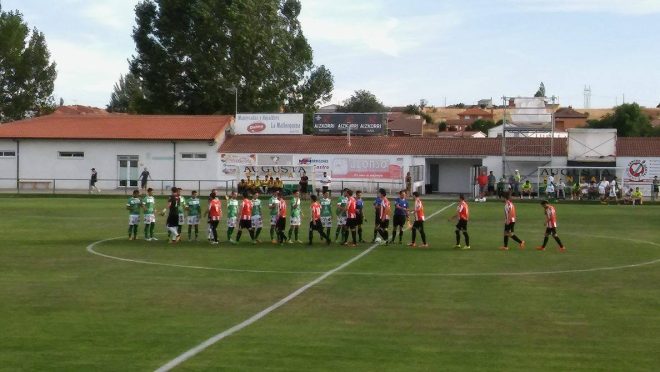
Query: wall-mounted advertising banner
point(269, 124)
point(366, 168)
point(360, 124)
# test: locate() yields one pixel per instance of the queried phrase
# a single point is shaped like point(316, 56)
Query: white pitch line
point(204, 345)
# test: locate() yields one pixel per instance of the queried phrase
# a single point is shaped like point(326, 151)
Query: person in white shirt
point(602, 189)
point(561, 189)
point(550, 191)
point(326, 183)
point(613, 191)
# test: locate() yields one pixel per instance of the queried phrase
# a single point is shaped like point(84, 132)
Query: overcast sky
point(453, 50)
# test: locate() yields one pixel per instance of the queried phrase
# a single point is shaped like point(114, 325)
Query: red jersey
point(419, 210)
point(482, 180)
point(384, 209)
point(351, 208)
point(316, 211)
point(509, 212)
point(463, 211)
point(215, 209)
point(281, 213)
point(550, 217)
point(246, 209)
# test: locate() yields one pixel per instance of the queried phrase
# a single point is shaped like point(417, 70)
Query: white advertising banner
point(640, 172)
point(269, 124)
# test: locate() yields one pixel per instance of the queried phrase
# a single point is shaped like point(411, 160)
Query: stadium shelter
point(182, 150)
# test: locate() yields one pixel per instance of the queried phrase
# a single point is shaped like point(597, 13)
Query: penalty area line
point(228, 332)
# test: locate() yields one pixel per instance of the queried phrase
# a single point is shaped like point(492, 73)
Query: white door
point(128, 170)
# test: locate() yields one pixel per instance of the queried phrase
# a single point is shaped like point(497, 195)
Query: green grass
point(394, 309)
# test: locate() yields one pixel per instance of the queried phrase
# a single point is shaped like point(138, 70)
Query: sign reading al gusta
point(269, 124)
point(360, 124)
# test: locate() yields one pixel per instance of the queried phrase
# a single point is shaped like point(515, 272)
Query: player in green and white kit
point(274, 205)
point(194, 211)
point(326, 213)
point(182, 209)
point(149, 207)
point(257, 221)
point(342, 200)
point(296, 217)
point(232, 213)
point(133, 205)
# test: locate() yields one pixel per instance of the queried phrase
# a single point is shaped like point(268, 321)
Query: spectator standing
point(561, 189)
point(144, 177)
point(656, 188)
point(491, 183)
point(516, 182)
point(92, 182)
point(304, 184)
point(482, 180)
point(408, 183)
point(326, 183)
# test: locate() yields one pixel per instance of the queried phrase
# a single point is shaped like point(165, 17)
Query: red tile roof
point(408, 125)
point(638, 146)
point(569, 112)
point(117, 126)
point(383, 145)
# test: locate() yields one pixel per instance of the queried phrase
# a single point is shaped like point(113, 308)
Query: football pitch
point(76, 295)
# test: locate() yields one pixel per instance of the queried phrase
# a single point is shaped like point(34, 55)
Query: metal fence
point(109, 186)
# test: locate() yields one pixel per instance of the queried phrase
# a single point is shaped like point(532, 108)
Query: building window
point(71, 154)
point(193, 156)
point(417, 173)
point(7, 154)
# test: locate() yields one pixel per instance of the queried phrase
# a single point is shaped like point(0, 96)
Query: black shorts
point(245, 224)
point(491, 188)
point(281, 223)
point(351, 222)
point(418, 225)
point(551, 231)
point(315, 225)
point(399, 220)
point(377, 219)
point(655, 188)
point(462, 225)
point(360, 219)
point(509, 227)
point(173, 220)
point(384, 224)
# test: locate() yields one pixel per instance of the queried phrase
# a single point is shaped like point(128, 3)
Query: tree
point(629, 121)
point(27, 78)
point(192, 53)
point(442, 126)
point(541, 91)
point(127, 96)
point(362, 101)
point(481, 125)
point(418, 110)
point(309, 95)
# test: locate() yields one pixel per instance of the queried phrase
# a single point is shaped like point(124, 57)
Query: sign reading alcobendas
point(360, 124)
point(269, 124)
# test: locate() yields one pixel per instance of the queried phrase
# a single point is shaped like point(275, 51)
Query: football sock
point(251, 232)
point(467, 238)
point(238, 235)
point(400, 234)
point(146, 230)
point(130, 230)
point(290, 231)
point(359, 232)
point(506, 240)
point(189, 231)
point(337, 232)
point(414, 235)
point(393, 234)
point(516, 239)
point(327, 232)
point(558, 241)
point(354, 236)
point(272, 232)
point(196, 231)
point(344, 235)
point(256, 234)
point(545, 241)
point(423, 235)
point(295, 232)
point(458, 237)
point(230, 231)
point(152, 226)
point(311, 235)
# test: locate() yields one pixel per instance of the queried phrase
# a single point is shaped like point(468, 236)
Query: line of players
point(349, 215)
point(246, 214)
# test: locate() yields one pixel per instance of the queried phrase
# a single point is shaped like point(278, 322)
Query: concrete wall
point(39, 159)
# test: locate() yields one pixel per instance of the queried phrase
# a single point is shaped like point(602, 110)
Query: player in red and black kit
point(280, 225)
point(418, 225)
point(550, 226)
point(315, 221)
point(245, 219)
point(509, 224)
point(463, 215)
point(383, 215)
point(351, 217)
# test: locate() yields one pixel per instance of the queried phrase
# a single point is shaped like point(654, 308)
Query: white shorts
point(601, 191)
point(295, 221)
point(273, 220)
point(149, 218)
point(326, 221)
point(341, 220)
point(182, 219)
point(133, 219)
point(257, 222)
point(612, 193)
point(193, 220)
point(231, 221)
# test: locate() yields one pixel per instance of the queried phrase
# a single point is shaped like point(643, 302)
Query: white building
point(62, 149)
